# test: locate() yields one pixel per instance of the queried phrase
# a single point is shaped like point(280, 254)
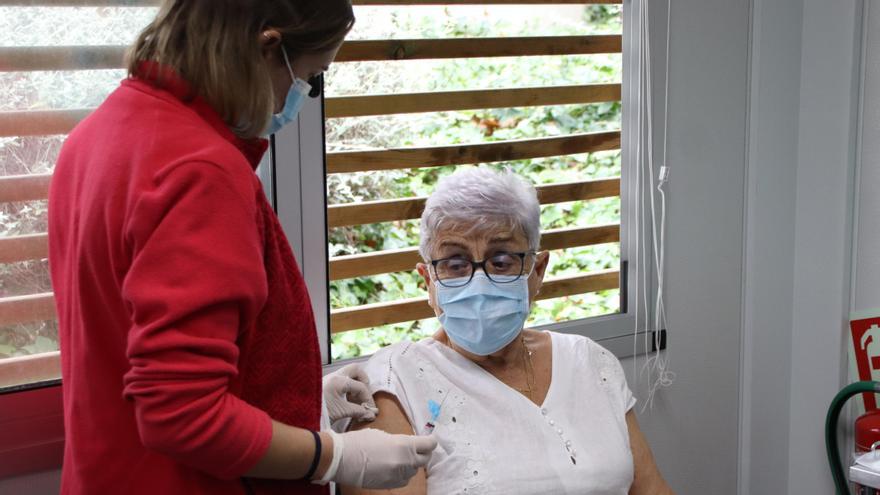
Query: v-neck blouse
point(494, 440)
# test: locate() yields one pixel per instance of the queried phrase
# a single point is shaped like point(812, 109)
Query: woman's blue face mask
point(296, 96)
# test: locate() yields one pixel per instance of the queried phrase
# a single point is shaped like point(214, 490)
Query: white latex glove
point(346, 395)
point(374, 459)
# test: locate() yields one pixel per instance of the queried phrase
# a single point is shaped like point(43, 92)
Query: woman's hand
point(376, 459)
point(346, 395)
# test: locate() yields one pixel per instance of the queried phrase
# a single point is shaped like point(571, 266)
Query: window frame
point(304, 227)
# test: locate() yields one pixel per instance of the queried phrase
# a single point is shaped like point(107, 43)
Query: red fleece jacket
point(184, 320)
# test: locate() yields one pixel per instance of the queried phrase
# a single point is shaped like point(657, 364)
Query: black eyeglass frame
point(482, 266)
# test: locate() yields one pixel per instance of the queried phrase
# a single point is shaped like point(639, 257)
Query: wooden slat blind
point(24, 187)
point(362, 265)
point(40, 122)
point(339, 162)
point(377, 50)
point(411, 208)
point(405, 158)
point(24, 248)
point(26, 309)
point(39, 58)
point(440, 101)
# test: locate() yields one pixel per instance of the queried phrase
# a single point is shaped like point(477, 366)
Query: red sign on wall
point(866, 344)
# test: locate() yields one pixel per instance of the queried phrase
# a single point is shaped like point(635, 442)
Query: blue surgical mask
point(482, 317)
point(296, 96)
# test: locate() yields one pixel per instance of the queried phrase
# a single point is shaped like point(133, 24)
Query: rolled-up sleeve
point(196, 280)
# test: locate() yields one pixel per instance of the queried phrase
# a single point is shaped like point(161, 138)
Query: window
point(56, 63)
point(420, 89)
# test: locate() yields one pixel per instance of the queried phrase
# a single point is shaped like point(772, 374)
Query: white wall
point(693, 426)
point(805, 69)
point(866, 275)
point(770, 241)
point(762, 150)
point(823, 239)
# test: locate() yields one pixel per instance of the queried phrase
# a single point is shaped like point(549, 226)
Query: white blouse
point(494, 440)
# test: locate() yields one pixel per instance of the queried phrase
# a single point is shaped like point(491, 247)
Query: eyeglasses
point(501, 268)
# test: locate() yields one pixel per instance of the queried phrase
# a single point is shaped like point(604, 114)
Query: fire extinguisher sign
point(865, 329)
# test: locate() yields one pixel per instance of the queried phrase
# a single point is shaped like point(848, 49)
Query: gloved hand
point(374, 459)
point(346, 395)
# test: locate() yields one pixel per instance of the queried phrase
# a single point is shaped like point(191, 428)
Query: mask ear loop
point(534, 254)
point(287, 63)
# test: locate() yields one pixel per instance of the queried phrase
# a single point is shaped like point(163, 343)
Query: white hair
point(481, 198)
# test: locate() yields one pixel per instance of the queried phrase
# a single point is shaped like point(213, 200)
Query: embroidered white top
point(494, 440)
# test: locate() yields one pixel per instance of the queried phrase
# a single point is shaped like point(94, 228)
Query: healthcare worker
point(188, 346)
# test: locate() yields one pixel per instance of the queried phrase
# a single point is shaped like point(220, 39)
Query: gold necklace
point(528, 369)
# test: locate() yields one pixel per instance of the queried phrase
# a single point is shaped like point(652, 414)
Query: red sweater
point(184, 320)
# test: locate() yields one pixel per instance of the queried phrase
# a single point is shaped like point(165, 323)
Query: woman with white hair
point(514, 411)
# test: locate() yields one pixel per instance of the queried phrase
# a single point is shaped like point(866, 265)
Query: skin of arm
point(391, 419)
point(290, 454)
point(647, 478)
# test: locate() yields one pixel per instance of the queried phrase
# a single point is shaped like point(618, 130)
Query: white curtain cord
point(655, 369)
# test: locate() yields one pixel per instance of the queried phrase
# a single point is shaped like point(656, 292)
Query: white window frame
point(299, 158)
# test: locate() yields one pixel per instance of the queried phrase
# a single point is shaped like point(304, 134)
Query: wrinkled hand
point(346, 395)
point(379, 460)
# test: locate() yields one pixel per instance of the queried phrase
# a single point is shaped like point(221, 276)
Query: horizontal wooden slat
point(48, 122)
point(373, 315)
point(579, 284)
point(441, 101)
point(40, 122)
point(96, 57)
point(24, 248)
point(153, 3)
point(25, 309)
point(435, 156)
point(33, 58)
point(396, 260)
point(414, 49)
point(390, 210)
point(20, 370)
point(578, 191)
point(362, 265)
point(24, 187)
point(580, 236)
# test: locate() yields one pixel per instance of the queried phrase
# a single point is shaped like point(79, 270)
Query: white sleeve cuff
point(338, 445)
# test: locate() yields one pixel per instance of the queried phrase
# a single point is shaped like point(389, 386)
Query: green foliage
point(472, 127)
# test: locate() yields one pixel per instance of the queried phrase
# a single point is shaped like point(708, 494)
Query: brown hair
point(214, 45)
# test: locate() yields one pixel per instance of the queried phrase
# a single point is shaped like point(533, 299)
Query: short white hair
point(478, 198)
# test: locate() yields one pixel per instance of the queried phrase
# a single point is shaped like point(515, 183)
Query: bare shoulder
point(391, 417)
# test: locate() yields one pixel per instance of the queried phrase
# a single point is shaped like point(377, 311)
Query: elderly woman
point(514, 411)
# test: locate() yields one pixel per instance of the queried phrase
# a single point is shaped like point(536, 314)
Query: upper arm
point(647, 479)
point(391, 419)
point(195, 279)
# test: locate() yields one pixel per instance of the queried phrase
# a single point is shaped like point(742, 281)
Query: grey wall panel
point(770, 242)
